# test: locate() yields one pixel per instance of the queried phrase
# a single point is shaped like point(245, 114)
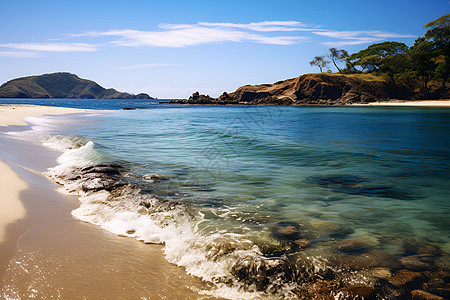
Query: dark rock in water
point(381, 273)
point(422, 295)
point(302, 243)
point(94, 183)
point(286, 230)
point(260, 272)
point(101, 169)
point(352, 247)
point(355, 292)
point(105, 176)
point(404, 278)
point(413, 247)
point(153, 178)
point(355, 185)
point(417, 262)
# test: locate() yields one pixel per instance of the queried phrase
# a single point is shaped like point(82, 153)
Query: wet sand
point(46, 253)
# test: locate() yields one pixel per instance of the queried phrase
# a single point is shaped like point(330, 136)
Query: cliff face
point(312, 89)
point(61, 85)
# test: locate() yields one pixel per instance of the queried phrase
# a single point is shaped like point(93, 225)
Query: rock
point(352, 247)
point(94, 183)
point(302, 243)
point(286, 230)
point(404, 278)
point(355, 292)
point(152, 177)
point(422, 295)
point(382, 273)
point(314, 89)
point(108, 170)
point(417, 262)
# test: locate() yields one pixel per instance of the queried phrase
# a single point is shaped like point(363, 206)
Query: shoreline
point(424, 103)
point(48, 253)
point(11, 206)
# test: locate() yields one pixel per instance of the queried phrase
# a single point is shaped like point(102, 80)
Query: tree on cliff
point(337, 55)
point(387, 57)
point(423, 61)
point(319, 61)
point(439, 34)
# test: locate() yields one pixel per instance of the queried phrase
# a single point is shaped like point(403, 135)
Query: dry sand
point(15, 114)
point(11, 208)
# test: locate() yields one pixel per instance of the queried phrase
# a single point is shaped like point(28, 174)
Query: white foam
point(187, 236)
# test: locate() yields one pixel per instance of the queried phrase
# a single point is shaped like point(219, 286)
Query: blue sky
point(171, 49)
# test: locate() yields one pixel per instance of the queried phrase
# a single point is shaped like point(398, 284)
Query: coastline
point(11, 207)
point(43, 243)
point(428, 103)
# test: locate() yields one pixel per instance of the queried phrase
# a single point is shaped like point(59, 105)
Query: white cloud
point(52, 47)
point(18, 54)
point(184, 35)
point(265, 26)
point(357, 37)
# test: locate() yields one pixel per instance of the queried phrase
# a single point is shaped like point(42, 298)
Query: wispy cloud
point(283, 33)
point(147, 66)
point(20, 54)
point(183, 35)
point(52, 47)
point(266, 26)
point(357, 37)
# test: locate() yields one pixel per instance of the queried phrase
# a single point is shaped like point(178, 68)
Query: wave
point(243, 255)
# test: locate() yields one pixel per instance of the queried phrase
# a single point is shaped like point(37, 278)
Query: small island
point(60, 86)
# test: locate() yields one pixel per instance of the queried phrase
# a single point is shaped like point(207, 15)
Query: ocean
point(265, 201)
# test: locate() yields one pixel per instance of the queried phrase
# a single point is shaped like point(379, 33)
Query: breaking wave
point(242, 254)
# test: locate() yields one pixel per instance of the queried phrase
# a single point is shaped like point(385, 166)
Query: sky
point(170, 49)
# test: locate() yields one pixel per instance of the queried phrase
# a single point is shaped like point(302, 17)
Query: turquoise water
point(350, 180)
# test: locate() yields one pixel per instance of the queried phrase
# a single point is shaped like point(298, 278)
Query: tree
point(337, 55)
point(372, 57)
point(319, 61)
point(439, 33)
point(423, 61)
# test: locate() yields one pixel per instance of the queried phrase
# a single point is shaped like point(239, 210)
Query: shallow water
point(235, 193)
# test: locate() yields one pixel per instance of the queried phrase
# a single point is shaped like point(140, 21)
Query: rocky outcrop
point(61, 85)
point(315, 89)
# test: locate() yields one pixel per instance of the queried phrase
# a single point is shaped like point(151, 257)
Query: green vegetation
point(60, 85)
point(319, 61)
point(428, 60)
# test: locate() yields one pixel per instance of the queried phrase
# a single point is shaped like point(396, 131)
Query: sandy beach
point(11, 208)
point(46, 253)
point(425, 103)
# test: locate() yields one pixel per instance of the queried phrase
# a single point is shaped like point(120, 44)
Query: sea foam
point(212, 255)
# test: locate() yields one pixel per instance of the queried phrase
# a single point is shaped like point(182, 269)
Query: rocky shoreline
point(353, 271)
point(319, 89)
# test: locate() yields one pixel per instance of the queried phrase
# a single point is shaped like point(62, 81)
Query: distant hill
point(61, 85)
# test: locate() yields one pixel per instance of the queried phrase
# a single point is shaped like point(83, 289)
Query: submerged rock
point(422, 295)
point(355, 185)
point(405, 278)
